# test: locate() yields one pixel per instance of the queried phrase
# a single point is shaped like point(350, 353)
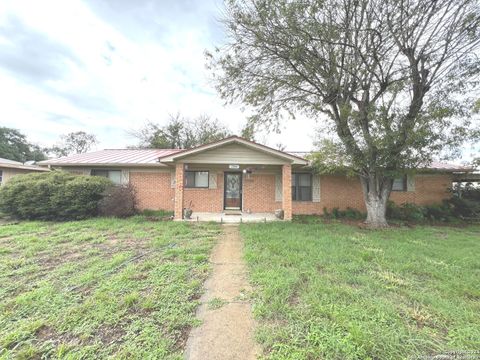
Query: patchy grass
point(333, 291)
point(101, 288)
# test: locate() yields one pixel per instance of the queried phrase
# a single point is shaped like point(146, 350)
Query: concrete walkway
point(227, 328)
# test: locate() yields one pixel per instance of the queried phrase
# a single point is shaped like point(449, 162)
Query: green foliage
point(181, 133)
point(332, 291)
point(52, 195)
point(348, 213)
point(101, 288)
point(158, 213)
point(405, 212)
point(14, 146)
point(449, 210)
point(464, 207)
point(74, 143)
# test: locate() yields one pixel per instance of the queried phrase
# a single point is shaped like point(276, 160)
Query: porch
point(226, 217)
point(233, 175)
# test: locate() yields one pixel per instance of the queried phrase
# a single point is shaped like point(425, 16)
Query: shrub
point(55, 195)
point(118, 201)
point(349, 213)
point(464, 207)
point(406, 212)
point(438, 212)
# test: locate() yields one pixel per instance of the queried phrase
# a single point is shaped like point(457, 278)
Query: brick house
point(235, 174)
point(10, 168)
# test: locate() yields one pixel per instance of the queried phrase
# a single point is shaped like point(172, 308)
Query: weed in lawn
point(216, 303)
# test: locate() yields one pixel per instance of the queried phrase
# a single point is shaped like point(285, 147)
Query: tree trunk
point(376, 191)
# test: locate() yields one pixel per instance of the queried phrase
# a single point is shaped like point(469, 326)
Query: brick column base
point(287, 191)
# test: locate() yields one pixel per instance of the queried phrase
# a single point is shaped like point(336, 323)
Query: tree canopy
point(15, 146)
point(394, 80)
point(181, 133)
point(77, 142)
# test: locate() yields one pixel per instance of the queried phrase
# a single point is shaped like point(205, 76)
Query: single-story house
point(10, 168)
point(235, 174)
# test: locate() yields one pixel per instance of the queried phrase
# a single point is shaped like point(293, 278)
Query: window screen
point(114, 175)
point(399, 184)
point(301, 187)
point(196, 179)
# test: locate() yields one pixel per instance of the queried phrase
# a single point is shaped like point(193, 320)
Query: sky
point(108, 66)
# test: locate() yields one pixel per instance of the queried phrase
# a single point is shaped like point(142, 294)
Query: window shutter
point(125, 177)
point(278, 188)
point(212, 181)
point(316, 188)
point(410, 182)
point(172, 179)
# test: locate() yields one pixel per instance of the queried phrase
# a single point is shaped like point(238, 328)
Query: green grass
point(333, 291)
point(101, 288)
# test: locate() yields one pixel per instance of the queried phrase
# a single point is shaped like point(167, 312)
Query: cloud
point(31, 55)
point(106, 66)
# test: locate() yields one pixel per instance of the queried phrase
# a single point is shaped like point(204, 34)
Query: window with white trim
point(114, 175)
point(301, 187)
point(400, 184)
point(196, 179)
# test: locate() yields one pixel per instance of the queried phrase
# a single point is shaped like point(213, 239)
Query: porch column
point(287, 191)
point(179, 183)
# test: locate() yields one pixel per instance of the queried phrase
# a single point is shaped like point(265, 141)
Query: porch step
point(233, 212)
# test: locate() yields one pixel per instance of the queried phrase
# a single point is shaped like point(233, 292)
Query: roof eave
point(107, 164)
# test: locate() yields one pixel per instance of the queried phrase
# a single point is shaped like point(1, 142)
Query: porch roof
point(235, 140)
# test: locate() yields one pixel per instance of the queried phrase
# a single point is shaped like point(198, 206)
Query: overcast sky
point(107, 66)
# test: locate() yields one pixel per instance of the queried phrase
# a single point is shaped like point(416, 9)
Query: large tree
point(15, 146)
point(390, 78)
point(181, 133)
point(77, 142)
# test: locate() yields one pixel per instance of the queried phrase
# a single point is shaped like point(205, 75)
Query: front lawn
point(101, 288)
point(333, 291)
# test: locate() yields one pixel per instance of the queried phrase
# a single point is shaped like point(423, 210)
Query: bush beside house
point(55, 195)
point(118, 201)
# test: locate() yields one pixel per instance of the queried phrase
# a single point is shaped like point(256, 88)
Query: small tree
point(391, 78)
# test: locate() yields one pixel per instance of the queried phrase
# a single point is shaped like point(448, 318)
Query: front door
point(233, 191)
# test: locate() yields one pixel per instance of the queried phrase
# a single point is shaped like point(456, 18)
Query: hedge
point(55, 195)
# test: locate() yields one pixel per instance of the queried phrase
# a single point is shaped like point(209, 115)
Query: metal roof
point(437, 165)
point(150, 157)
point(7, 163)
point(114, 157)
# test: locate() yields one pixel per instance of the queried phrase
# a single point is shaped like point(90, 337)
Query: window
point(400, 184)
point(301, 187)
point(114, 175)
point(1, 177)
point(196, 179)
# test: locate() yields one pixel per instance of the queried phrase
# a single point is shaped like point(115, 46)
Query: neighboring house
point(10, 168)
point(237, 174)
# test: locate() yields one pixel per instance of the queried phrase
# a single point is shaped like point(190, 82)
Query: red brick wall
point(429, 189)
point(343, 192)
point(205, 200)
point(154, 190)
point(335, 191)
point(259, 193)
